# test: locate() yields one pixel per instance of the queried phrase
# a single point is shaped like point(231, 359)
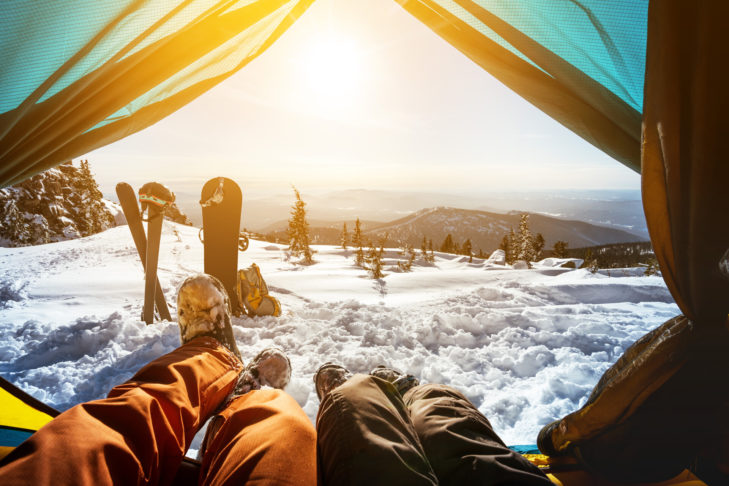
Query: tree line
point(519, 244)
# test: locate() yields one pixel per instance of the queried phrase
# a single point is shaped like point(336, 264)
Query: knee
point(433, 390)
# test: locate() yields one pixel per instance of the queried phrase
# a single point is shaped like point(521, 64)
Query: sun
point(333, 70)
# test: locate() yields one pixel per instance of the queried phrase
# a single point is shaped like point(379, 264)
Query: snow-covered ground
point(526, 346)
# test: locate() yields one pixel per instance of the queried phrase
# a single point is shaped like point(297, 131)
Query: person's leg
point(262, 437)
point(365, 437)
point(461, 444)
point(139, 433)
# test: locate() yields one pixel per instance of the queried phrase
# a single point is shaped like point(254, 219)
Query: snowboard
point(221, 200)
point(128, 201)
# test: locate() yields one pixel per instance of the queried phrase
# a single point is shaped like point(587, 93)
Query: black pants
point(369, 435)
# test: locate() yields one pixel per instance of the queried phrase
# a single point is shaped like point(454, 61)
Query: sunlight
point(333, 70)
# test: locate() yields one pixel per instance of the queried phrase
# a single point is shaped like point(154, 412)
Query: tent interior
point(644, 81)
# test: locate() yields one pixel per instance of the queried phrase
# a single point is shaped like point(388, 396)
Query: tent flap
point(582, 63)
point(686, 154)
point(85, 75)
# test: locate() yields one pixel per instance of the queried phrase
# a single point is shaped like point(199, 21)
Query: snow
point(526, 346)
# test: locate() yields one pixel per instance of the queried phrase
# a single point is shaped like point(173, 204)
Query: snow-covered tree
point(173, 213)
point(374, 259)
point(408, 254)
point(524, 241)
point(58, 204)
point(299, 231)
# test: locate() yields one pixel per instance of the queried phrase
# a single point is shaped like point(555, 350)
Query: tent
point(22, 415)
point(644, 81)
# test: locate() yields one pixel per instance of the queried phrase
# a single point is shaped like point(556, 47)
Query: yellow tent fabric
point(20, 416)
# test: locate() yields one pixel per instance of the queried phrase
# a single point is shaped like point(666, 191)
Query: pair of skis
point(147, 247)
point(221, 201)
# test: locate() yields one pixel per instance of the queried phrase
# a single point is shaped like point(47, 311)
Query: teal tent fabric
point(580, 61)
point(78, 75)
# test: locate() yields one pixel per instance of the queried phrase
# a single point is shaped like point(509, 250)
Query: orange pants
point(140, 432)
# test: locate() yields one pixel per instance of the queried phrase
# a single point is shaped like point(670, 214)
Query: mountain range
point(620, 209)
point(485, 229)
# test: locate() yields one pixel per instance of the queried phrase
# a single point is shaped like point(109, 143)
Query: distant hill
point(484, 229)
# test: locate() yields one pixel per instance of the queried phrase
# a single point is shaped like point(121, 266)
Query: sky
point(358, 94)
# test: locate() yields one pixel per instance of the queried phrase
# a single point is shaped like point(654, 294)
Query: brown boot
point(403, 382)
point(203, 309)
point(328, 377)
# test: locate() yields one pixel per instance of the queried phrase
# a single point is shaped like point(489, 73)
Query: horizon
point(622, 207)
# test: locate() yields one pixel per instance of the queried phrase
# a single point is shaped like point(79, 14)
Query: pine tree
point(467, 250)
point(408, 253)
point(431, 258)
point(590, 262)
point(93, 215)
point(424, 249)
point(560, 249)
point(344, 237)
point(506, 247)
point(374, 259)
point(299, 231)
point(511, 247)
point(524, 245)
point(538, 246)
point(357, 243)
point(15, 227)
point(447, 246)
point(652, 267)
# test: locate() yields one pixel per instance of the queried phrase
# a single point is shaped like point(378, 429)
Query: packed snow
point(526, 346)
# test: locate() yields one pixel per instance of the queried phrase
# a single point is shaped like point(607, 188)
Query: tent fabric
point(663, 404)
point(581, 62)
point(20, 416)
point(78, 75)
point(686, 153)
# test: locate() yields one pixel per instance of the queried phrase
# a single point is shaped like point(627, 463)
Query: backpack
point(253, 293)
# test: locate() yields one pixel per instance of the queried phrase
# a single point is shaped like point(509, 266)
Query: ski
point(221, 200)
point(154, 199)
point(128, 201)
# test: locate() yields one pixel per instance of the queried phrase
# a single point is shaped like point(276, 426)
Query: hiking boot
point(271, 367)
point(328, 377)
point(401, 381)
point(203, 309)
